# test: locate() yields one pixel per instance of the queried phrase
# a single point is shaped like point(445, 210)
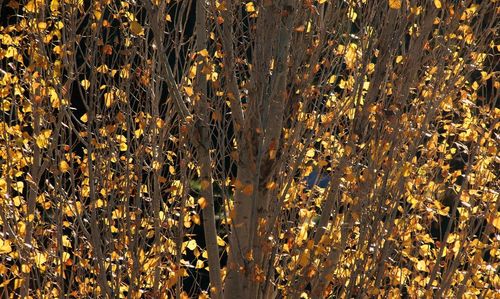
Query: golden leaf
point(18, 186)
point(438, 4)
point(54, 5)
point(31, 6)
point(5, 246)
point(332, 79)
point(202, 202)
point(199, 264)
point(84, 118)
point(203, 53)
point(109, 98)
point(310, 153)
point(17, 201)
point(250, 7)
point(191, 244)
point(220, 242)
point(42, 140)
point(188, 90)
point(395, 4)
point(421, 266)
point(40, 259)
point(102, 69)
point(63, 166)
point(136, 28)
point(66, 242)
point(496, 222)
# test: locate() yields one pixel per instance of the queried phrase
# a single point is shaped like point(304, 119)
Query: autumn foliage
point(249, 149)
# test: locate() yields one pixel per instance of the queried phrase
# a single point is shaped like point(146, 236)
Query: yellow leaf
point(202, 201)
point(203, 53)
point(407, 170)
point(310, 153)
point(40, 259)
point(54, 98)
point(18, 186)
point(332, 79)
point(42, 140)
point(31, 6)
point(63, 166)
point(136, 28)
point(250, 7)
point(395, 4)
point(475, 85)
point(85, 84)
point(352, 15)
point(351, 55)
point(66, 242)
point(21, 228)
point(5, 282)
point(109, 98)
point(191, 244)
point(5, 246)
point(25, 268)
point(125, 72)
point(17, 201)
point(438, 4)
point(171, 169)
point(65, 256)
point(188, 90)
point(42, 25)
point(137, 134)
point(54, 5)
point(421, 266)
point(102, 69)
point(156, 165)
point(220, 242)
point(496, 222)
point(11, 52)
point(84, 118)
point(199, 264)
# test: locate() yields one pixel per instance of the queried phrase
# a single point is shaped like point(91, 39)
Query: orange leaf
point(202, 201)
point(248, 190)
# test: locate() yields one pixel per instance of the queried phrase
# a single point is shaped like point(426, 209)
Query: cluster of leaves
point(127, 133)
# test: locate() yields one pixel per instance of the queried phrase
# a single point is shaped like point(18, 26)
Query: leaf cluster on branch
point(249, 149)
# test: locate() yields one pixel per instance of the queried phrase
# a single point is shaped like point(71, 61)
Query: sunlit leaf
point(43, 139)
point(136, 28)
point(395, 4)
point(5, 246)
point(191, 245)
point(250, 7)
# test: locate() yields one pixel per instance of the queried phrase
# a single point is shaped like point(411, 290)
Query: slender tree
point(249, 149)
